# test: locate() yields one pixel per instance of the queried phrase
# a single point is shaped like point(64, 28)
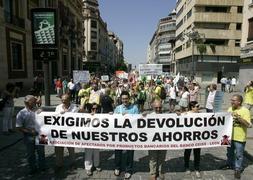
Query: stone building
point(16, 55)
point(208, 34)
point(246, 62)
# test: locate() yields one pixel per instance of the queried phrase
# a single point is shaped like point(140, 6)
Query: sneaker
point(89, 173)
point(116, 172)
point(225, 167)
point(237, 174)
point(197, 173)
point(98, 169)
point(127, 175)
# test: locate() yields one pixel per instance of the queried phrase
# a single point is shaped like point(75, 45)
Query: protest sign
point(150, 69)
point(81, 76)
point(152, 132)
point(105, 78)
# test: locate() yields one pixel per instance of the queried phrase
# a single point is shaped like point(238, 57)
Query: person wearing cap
point(65, 107)
point(157, 157)
point(25, 123)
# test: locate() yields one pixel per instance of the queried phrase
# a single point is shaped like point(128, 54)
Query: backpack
point(163, 93)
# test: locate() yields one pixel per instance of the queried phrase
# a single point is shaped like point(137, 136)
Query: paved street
point(13, 164)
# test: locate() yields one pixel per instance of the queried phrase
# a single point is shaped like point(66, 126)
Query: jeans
point(31, 149)
point(235, 154)
point(129, 160)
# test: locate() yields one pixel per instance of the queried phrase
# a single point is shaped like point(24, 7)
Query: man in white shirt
point(210, 98)
point(233, 83)
point(71, 87)
point(66, 106)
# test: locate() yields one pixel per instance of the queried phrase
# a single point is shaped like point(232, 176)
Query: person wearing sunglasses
point(193, 108)
point(157, 157)
point(92, 157)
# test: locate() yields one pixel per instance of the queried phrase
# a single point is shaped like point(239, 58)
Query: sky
point(134, 22)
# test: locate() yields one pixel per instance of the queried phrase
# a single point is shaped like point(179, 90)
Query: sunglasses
point(158, 107)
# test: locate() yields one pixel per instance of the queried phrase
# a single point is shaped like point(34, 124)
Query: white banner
point(81, 76)
point(155, 131)
point(150, 69)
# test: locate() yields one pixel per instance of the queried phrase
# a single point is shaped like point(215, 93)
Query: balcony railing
point(14, 20)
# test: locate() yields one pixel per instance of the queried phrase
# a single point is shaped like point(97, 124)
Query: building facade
point(208, 34)
point(160, 50)
point(246, 63)
point(103, 48)
point(17, 62)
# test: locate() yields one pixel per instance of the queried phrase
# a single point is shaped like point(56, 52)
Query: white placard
point(105, 78)
point(150, 69)
point(81, 76)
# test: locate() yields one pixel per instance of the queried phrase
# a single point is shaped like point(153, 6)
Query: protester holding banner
point(157, 157)
point(26, 124)
point(125, 108)
point(193, 108)
point(241, 121)
point(66, 106)
point(92, 157)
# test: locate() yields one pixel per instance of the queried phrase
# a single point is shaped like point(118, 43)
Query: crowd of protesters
point(123, 97)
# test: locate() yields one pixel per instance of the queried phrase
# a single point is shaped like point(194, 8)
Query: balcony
point(218, 2)
point(14, 20)
point(218, 17)
point(220, 33)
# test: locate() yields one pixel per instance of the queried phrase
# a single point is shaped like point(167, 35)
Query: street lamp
point(193, 36)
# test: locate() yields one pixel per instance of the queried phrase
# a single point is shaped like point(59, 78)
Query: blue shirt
point(131, 109)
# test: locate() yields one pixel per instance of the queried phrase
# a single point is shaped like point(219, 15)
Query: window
point(189, 14)
point(216, 41)
point(93, 24)
point(250, 33)
point(237, 43)
point(239, 9)
point(93, 46)
point(17, 56)
point(238, 26)
point(216, 9)
point(65, 62)
point(93, 34)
